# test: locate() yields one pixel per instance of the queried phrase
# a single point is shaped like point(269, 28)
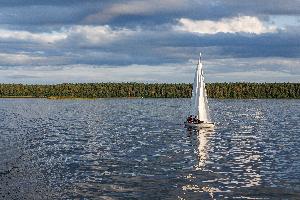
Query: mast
point(200, 58)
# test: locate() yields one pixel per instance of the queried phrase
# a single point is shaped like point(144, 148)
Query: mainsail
point(199, 96)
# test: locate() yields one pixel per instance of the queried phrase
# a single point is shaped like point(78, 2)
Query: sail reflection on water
point(203, 137)
point(211, 176)
point(203, 145)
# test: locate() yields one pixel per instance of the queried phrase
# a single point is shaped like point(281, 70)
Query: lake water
point(139, 149)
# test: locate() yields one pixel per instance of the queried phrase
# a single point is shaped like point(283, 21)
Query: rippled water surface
point(139, 149)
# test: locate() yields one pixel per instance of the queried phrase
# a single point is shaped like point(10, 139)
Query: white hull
point(200, 125)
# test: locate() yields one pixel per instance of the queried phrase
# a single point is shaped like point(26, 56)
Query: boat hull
point(200, 125)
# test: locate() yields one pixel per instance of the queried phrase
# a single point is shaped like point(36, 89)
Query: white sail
point(199, 96)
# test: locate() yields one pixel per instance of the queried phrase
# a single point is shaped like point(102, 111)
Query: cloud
point(81, 34)
point(96, 35)
point(258, 7)
point(40, 39)
point(13, 35)
point(256, 64)
point(143, 8)
point(32, 59)
point(82, 73)
point(261, 77)
point(216, 70)
point(119, 47)
point(36, 14)
point(136, 12)
point(22, 77)
point(243, 24)
point(18, 59)
point(273, 69)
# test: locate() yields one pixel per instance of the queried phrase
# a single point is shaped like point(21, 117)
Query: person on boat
point(195, 120)
point(190, 119)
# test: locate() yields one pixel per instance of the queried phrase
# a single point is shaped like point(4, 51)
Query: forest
point(153, 90)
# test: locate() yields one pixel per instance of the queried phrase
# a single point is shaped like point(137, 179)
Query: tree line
point(155, 90)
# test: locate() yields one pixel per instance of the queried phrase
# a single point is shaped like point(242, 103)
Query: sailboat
point(199, 117)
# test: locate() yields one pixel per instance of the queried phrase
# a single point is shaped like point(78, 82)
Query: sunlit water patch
point(139, 149)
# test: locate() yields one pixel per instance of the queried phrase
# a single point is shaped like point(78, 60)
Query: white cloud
point(74, 34)
point(97, 34)
point(19, 59)
point(13, 35)
point(31, 59)
point(246, 24)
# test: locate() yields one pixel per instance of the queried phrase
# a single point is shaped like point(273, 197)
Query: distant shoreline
point(151, 90)
point(65, 97)
point(77, 98)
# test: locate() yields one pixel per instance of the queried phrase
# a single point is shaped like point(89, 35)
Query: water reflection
point(203, 136)
point(72, 150)
point(202, 145)
point(224, 167)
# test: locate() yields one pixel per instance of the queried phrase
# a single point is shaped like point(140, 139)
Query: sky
point(55, 41)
